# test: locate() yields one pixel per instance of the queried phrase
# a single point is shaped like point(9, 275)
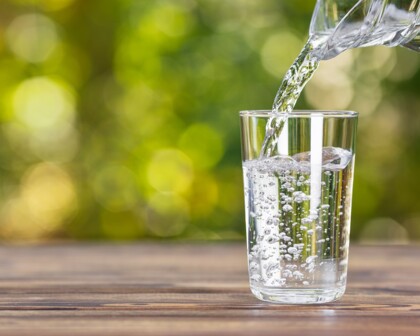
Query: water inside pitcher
point(339, 25)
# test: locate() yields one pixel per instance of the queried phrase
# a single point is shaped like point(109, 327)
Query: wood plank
point(194, 289)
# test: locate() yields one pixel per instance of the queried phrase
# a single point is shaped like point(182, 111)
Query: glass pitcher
point(338, 25)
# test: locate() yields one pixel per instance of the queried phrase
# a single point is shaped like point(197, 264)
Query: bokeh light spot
point(381, 60)
point(17, 222)
point(367, 97)
point(43, 119)
point(173, 19)
point(145, 107)
point(167, 215)
point(278, 53)
point(203, 144)
point(49, 193)
point(170, 170)
point(32, 37)
point(47, 199)
point(41, 103)
point(331, 87)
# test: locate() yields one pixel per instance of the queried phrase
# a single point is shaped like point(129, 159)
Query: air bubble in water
point(287, 208)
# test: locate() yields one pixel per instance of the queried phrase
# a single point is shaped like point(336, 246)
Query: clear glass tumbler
point(298, 205)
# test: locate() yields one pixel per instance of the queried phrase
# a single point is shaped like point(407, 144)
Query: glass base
point(298, 295)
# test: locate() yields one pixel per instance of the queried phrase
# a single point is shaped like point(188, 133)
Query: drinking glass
point(298, 205)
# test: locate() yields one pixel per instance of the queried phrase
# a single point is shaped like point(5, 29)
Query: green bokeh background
point(119, 119)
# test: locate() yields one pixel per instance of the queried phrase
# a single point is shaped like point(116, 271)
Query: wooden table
point(193, 289)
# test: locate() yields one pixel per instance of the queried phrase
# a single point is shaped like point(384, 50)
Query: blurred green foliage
point(119, 119)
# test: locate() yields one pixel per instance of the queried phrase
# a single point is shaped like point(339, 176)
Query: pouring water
point(337, 26)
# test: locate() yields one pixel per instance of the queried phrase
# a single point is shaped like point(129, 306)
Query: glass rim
point(300, 113)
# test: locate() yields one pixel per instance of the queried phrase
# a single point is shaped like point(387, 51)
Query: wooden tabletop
point(193, 289)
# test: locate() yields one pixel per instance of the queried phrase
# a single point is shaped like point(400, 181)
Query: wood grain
point(201, 289)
